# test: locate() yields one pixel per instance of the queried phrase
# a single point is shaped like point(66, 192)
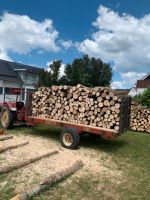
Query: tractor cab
point(12, 110)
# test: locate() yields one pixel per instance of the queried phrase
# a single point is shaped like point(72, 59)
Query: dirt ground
point(28, 176)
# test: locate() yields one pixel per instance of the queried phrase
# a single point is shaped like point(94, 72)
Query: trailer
point(70, 135)
point(71, 132)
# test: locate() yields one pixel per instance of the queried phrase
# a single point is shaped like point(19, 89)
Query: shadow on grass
point(48, 132)
point(102, 144)
point(97, 143)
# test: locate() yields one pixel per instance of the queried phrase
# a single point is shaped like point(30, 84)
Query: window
point(11, 91)
point(7, 91)
point(1, 90)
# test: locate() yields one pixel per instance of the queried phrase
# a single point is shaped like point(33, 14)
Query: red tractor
point(12, 112)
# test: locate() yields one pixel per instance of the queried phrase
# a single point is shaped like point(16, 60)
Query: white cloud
point(124, 39)
point(132, 77)
point(128, 80)
point(3, 55)
point(21, 34)
point(117, 85)
point(62, 68)
point(66, 43)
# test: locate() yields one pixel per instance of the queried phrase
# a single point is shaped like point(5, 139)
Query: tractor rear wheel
point(7, 118)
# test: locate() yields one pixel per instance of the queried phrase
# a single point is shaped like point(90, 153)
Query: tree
point(63, 80)
point(50, 77)
point(55, 71)
point(89, 72)
point(44, 78)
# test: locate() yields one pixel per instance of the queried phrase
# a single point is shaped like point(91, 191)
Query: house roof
point(8, 70)
point(147, 76)
point(19, 66)
point(143, 83)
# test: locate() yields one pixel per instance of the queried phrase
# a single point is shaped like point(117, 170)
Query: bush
point(138, 98)
point(145, 99)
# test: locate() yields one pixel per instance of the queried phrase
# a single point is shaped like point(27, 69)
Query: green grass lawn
point(131, 154)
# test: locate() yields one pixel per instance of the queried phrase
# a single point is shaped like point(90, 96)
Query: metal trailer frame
point(80, 128)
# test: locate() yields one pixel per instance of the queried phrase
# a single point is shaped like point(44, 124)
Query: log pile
point(140, 117)
point(98, 107)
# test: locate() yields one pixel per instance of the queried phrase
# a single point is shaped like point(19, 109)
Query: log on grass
point(26, 162)
point(49, 181)
point(5, 137)
point(13, 146)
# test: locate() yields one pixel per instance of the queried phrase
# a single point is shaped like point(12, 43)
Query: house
point(141, 86)
point(16, 76)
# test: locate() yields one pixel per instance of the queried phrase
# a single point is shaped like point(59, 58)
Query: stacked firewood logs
point(89, 106)
point(97, 107)
point(140, 117)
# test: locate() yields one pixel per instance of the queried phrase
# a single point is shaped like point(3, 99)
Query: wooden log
point(115, 98)
point(5, 137)
point(13, 146)
point(100, 104)
point(106, 103)
point(25, 162)
point(99, 99)
point(51, 179)
point(117, 105)
point(116, 128)
point(75, 96)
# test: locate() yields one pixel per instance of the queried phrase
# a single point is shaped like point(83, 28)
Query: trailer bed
point(81, 128)
point(70, 135)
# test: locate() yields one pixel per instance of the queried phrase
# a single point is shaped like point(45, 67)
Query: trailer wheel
point(69, 138)
point(7, 118)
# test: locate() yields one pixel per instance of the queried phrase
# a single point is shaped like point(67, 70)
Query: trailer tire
point(6, 118)
point(69, 138)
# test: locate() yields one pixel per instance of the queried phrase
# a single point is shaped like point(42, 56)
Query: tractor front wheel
point(7, 118)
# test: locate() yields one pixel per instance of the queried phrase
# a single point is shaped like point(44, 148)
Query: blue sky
point(69, 32)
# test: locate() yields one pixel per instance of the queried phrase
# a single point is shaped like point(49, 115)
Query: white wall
point(11, 84)
point(135, 91)
point(141, 90)
point(30, 80)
